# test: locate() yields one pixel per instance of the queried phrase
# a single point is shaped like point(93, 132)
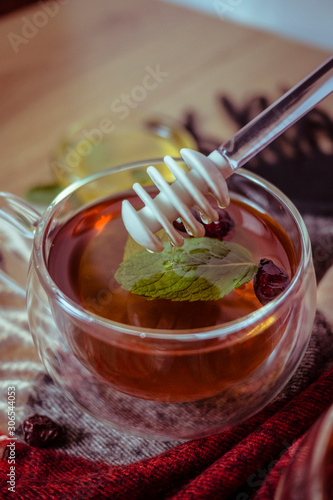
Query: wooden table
point(75, 59)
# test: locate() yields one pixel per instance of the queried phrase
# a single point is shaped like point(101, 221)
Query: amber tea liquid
point(84, 257)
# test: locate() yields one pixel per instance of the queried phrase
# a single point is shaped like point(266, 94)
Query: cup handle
point(18, 222)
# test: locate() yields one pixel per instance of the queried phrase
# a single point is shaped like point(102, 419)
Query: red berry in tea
point(269, 281)
point(217, 229)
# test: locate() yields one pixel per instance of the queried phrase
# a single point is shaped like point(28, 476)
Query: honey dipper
point(208, 174)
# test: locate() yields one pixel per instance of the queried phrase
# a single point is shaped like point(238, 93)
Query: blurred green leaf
point(43, 195)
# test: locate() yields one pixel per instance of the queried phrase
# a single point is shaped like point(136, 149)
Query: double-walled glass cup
point(132, 378)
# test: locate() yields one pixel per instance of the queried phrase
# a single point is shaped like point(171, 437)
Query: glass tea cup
point(309, 474)
point(165, 384)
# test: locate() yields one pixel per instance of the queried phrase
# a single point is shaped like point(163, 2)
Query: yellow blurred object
point(93, 146)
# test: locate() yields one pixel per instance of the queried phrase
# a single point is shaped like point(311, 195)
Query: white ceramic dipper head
point(176, 199)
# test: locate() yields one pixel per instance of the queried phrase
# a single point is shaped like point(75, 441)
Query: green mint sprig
point(202, 269)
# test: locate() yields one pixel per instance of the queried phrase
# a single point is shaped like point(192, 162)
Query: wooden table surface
point(78, 59)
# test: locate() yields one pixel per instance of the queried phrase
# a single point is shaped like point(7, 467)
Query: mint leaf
point(202, 269)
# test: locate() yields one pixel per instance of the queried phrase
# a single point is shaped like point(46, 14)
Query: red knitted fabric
point(208, 468)
point(268, 488)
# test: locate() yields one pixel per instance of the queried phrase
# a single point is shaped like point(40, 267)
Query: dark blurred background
point(10, 5)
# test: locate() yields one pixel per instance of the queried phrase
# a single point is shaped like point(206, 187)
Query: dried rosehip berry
point(269, 281)
point(218, 229)
point(41, 431)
